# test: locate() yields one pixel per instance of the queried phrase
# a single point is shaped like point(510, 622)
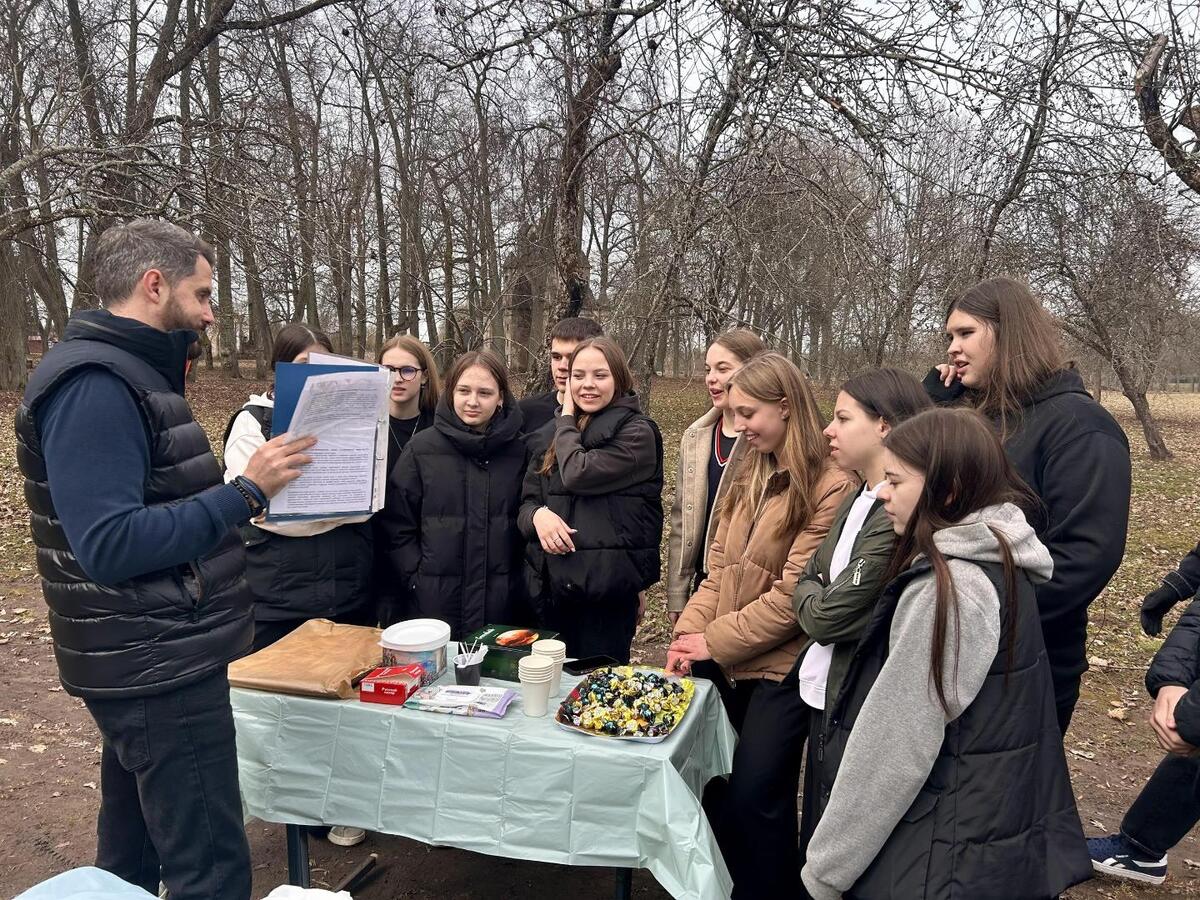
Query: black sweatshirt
point(1075, 457)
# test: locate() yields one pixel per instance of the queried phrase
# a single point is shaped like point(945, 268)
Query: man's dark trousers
point(169, 792)
point(1167, 808)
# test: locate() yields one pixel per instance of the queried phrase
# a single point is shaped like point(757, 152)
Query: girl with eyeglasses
point(414, 396)
point(411, 407)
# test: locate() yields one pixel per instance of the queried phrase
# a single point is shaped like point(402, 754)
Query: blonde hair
point(741, 342)
point(771, 378)
point(432, 388)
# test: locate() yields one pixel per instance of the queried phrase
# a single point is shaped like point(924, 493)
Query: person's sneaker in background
point(1113, 855)
point(345, 836)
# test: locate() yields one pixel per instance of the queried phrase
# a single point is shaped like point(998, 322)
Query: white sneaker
point(346, 836)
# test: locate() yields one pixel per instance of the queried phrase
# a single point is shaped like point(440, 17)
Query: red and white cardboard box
point(390, 684)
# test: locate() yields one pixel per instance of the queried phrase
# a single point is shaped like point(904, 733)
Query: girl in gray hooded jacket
point(943, 772)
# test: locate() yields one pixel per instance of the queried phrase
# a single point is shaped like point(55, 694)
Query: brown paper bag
point(318, 659)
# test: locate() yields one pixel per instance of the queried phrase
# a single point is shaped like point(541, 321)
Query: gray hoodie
point(901, 723)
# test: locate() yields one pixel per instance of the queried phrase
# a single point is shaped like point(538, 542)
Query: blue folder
point(289, 382)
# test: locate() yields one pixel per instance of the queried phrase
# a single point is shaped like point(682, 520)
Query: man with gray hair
point(141, 561)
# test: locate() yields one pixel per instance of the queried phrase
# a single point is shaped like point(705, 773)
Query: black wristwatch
point(251, 498)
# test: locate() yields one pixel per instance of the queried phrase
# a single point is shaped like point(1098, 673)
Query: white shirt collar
point(873, 492)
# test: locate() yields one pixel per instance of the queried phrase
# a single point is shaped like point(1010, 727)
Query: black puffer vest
point(618, 535)
point(310, 577)
point(996, 820)
point(163, 629)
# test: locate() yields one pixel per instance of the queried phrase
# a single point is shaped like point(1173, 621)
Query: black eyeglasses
point(406, 373)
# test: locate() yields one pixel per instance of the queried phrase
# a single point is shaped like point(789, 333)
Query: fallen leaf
point(1083, 754)
point(41, 748)
point(1095, 823)
point(1098, 661)
point(1191, 864)
point(90, 784)
point(1120, 714)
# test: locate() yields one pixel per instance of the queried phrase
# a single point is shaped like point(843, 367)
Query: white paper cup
point(557, 651)
point(537, 676)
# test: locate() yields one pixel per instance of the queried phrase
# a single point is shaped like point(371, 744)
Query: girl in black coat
point(298, 570)
point(1005, 359)
point(453, 498)
point(592, 507)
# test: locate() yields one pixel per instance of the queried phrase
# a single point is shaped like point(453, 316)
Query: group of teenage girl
point(894, 601)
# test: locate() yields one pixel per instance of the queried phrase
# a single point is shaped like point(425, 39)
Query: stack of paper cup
point(536, 674)
point(557, 651)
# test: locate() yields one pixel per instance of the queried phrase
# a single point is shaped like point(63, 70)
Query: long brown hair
point(804, 453)
point(622, 385)
point(965, 469)
point(432, 388)
point(1026, 344)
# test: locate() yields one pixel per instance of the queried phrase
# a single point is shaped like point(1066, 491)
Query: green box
point(502, 658)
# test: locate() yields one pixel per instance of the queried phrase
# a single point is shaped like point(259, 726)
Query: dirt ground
point(50, 751)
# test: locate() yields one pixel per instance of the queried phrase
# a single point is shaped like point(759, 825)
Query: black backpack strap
point(262, 415)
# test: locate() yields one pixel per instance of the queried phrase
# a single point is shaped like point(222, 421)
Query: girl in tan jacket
point(778, 509)
point(707, 454)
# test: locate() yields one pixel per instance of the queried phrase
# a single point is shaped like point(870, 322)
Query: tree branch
point(1145, 91)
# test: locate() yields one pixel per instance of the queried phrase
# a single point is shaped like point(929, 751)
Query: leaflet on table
point(461, 700)
point(346, 408)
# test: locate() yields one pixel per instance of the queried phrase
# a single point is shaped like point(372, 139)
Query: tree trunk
point(217, 222)
point(306, 290)
point(576, 292)
point(1135, 393)
point(1154, 439)
point(360, 300)
point(13, 368)
point(260, 328)
point(384, 326)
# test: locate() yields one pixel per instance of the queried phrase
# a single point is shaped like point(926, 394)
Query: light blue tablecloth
point(87, 883)
point(518, 787)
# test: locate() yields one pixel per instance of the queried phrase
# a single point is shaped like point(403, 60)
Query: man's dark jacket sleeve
point(97, 455)
point(1178, 663)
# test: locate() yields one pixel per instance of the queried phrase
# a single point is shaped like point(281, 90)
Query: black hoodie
point(1075, 457)
point(449, 523)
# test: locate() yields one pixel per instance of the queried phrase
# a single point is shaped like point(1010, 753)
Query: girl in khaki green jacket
point(836, 596)
point(777, 511)
point(708, 452)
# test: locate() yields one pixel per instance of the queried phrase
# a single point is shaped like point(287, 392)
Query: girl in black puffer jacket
point(592, 507)
point(449, 523)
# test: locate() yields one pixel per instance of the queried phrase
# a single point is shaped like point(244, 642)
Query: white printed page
point(342, 411)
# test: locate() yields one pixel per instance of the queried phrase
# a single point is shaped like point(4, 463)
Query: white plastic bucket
point(420, 641)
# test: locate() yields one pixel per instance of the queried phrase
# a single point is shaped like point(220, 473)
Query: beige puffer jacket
point(691, 537)
point(744, 607)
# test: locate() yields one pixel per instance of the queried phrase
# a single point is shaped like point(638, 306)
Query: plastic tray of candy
point(627, 703)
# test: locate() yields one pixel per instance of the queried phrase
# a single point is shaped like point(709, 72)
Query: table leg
point(624, 884)
point(297, 852)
